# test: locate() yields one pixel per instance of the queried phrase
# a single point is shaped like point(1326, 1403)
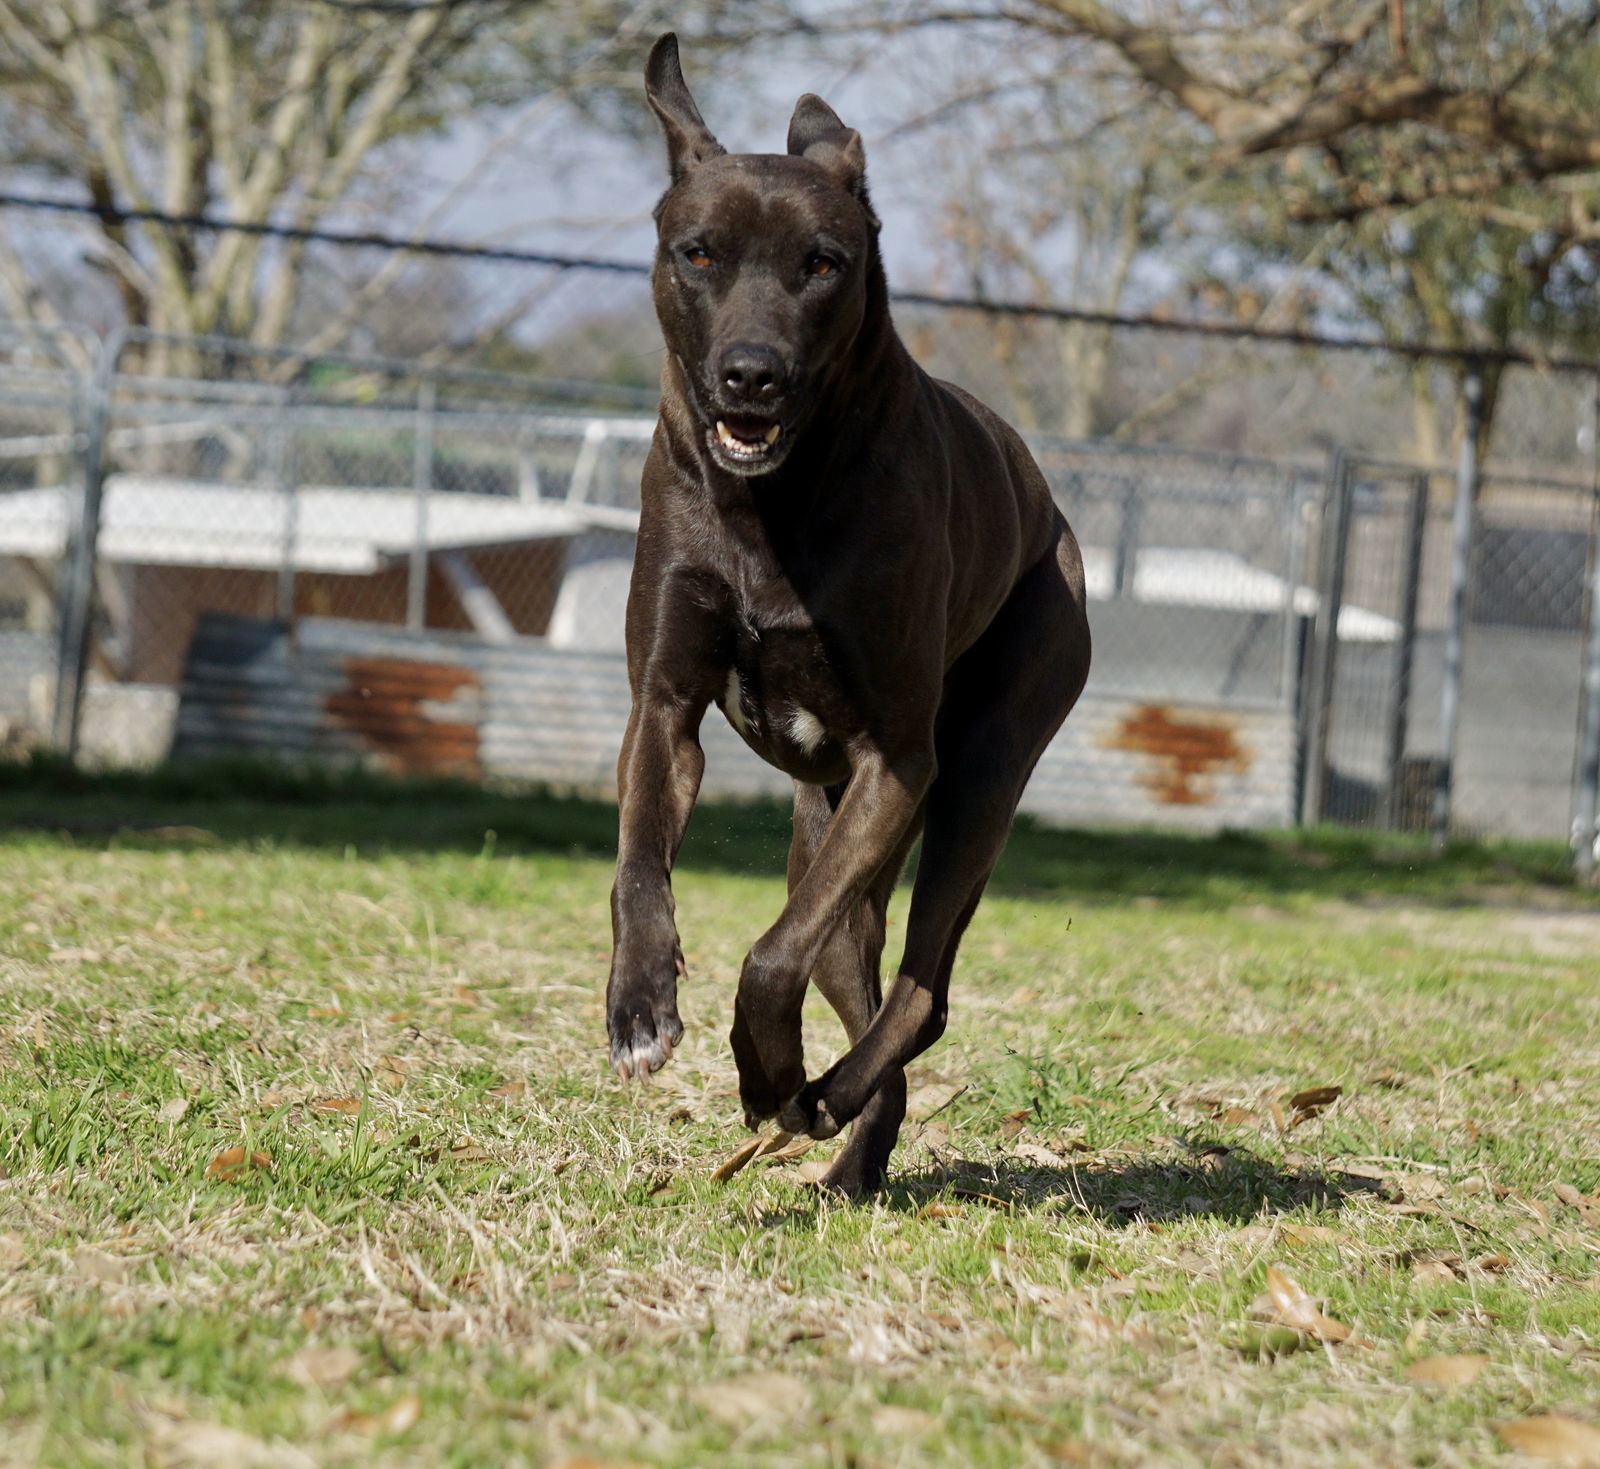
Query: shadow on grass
point(1234, 1187)
point(251, 802)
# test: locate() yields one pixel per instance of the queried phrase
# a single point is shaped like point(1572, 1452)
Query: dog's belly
point(785, 733)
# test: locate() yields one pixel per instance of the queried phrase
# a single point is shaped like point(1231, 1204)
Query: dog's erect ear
point(689, 140)
point(815, 132)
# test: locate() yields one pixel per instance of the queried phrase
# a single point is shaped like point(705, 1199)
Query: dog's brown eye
point(821, 265)
point(697, 257)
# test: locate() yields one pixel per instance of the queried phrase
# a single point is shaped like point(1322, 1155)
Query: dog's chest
point(785, 704)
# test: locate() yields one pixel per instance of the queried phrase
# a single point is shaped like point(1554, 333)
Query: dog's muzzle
point(747, 444)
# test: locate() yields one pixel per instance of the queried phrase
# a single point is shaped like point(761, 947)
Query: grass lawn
point(309, 1154)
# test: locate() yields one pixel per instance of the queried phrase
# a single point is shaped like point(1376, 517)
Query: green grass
point(501, 1256)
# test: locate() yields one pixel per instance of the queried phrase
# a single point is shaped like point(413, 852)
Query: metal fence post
point(76, 601)
point(1467, 470)
point(1317, 707)
point(285, 479)
point(422, 483)
point(1586, 815)
point(1127, 556)
point(1395, 754)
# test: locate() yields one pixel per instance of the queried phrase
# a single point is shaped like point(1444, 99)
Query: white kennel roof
point(169, 521)
point(1174, 576)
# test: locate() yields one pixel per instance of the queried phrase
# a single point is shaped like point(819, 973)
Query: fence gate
point(1359, 692)
point(1372, 732)
point(43, 395)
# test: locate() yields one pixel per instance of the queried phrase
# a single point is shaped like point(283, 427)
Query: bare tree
point(1440, 162)
point(258, 114)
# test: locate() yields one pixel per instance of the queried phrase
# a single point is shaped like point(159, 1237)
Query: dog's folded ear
point(815, 132)
point(689, 140)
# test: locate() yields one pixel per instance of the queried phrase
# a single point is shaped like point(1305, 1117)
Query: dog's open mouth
point(747, 440)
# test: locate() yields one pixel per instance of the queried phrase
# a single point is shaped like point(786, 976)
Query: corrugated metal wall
point(451, 704)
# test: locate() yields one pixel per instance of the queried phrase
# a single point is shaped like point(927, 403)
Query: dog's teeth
point(744, 448)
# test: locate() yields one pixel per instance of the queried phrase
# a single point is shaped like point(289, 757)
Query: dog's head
point(762, 271)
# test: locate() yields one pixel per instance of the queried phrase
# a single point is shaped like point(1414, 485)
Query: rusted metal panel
point(447, 703)
point(1201, 766)
point(416, 717)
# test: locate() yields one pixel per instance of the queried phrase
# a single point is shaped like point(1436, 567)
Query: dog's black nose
point(754, 374)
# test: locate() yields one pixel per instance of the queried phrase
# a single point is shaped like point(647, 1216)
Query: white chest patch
point(806, 730)
point(733, 702)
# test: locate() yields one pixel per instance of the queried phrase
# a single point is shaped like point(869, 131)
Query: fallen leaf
point(1494, 1264)
point(737, 1160)
point(390, 1074)
point(938, 1210)
point(1292, 1306)
point(1431, 1272)
point(1456, 1371)
point(812, 1170)
point(893, 1421)
point(739, 1402)
point(348, 1106)
point(509, 1089)
point(1035, 1154)
point(323, 1367)
point(102, 1268)
point(231, 1164)
point(1314, 1098)
point(1310, 1234)
point(923, 1103)
point(173, 1111)
point(784, 1147)
point(1553, 1436)
point(464, 1150)
point(401, 1415)
point(1013, 1123)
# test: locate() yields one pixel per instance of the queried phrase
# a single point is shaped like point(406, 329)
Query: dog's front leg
point(878, 806)
point(658, 777)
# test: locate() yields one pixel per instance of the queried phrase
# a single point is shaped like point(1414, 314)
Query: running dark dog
point(864, 568)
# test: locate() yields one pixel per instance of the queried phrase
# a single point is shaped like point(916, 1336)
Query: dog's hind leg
point(847, 974)
point(1004, 702)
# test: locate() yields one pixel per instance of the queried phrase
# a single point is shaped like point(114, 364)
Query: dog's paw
point(643, 1037)
point(807, 1114)
point(760, 1093)
point(760, 1099)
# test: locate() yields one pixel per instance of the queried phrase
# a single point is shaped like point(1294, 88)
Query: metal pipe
point(1334, 549)
point(1467, 471)
point(1394, 756)
point(284, 477)
point(1586, 813)
point(422, 484)
point(76, 627)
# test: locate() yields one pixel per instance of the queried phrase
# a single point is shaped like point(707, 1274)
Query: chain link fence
point(453, 451)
